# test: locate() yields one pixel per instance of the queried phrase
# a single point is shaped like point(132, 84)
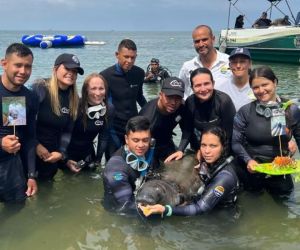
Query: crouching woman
point(216, 172)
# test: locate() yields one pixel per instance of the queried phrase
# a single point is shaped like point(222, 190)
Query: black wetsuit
point(125, 90)
point(14, 168)
point(220, 190)
point(158, 76)
point(162, 127)
point(219, 111)
point(81, 146)
point(53, 132)
point(252, 139)
point(119, 184)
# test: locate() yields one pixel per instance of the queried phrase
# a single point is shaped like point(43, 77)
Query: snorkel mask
point(95, 112)
point(136, 162)
point(266, 109)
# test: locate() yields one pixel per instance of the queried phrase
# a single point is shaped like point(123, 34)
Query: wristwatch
point(32, 175)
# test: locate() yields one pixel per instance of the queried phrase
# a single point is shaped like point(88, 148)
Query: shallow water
point(67, 214)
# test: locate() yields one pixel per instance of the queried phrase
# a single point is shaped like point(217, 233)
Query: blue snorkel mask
point(138, 163)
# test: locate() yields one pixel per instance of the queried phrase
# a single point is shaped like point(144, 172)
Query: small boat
point(57, 41)
point(273, 43)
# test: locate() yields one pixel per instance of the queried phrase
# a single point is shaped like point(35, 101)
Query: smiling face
point(138, 142)
point(240, 66)
point(203, 86)
point(264, 89)
point(65, 77)
point(211, 148)
point(126, 58)
point(17, 71)
point(203, 41)
point(169, 104)
point(96, 91)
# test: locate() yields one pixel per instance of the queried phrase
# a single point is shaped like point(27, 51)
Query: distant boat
point(57, 41)
point(274, 43)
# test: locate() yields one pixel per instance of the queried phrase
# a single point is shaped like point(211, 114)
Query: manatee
point(178, 183)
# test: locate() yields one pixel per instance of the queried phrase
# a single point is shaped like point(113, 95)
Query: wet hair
point(262, 71)
point(205, 26)
point(221, 134)
point(200, 71)
point(128, 44)
point(19, 49)
point(84, 96)
point(137, 123)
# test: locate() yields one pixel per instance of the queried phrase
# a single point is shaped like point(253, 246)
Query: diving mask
point(136, 162)
point(266, 109)
point(95, 112)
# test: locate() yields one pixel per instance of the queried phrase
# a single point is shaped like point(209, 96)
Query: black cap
point(154, 60)
point(240, 51)
point(70, 61)
point(173, 86)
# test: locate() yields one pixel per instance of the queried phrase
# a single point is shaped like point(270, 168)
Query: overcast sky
point(128, 15)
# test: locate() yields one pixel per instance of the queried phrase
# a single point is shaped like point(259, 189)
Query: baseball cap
point(240, 51)
point(173, 86)
point(70, 61)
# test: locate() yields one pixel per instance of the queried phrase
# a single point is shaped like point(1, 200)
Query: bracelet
point(169, 208)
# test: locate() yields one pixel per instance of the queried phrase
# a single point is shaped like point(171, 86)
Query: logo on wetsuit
point(219, 191)
point(65, 110)
point(98, 123)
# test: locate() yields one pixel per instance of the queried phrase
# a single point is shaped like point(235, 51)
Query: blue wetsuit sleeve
point(238, 135)
point(222, 186)
point(117, 181)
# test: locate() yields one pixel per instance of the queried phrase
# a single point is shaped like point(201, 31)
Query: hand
point(175, 156)
point(31, 187)
point(42, 152)
point(72, 165)
point(251, 166)
point(198, 155)
point(11, 144)
point(292, 146)
point(54, 157)
point(152, 209)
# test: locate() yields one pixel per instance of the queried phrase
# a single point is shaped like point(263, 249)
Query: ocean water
point(67, 213)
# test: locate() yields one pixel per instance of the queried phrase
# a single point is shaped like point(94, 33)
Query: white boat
point(273, 43)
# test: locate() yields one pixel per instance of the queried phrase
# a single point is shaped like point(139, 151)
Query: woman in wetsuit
point(263, 130)
point(93, 118)
point(58, 108)
point(206, 108)
point(217, 174)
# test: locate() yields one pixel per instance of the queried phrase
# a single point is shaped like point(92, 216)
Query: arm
point(227, 115)
point(141, 100)
point(295, 123)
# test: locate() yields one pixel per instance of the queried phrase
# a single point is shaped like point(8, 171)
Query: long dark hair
point(84, 96)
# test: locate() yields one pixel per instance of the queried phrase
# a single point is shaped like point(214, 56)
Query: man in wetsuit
point(17, 151)
point(208, 57)
point(155, 73)
point(164, 113)
point(125, 85)
point(125, 170)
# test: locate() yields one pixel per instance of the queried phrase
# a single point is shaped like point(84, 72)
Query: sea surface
point(67, 213)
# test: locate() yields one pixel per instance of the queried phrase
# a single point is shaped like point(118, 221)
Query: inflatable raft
point(57, 41)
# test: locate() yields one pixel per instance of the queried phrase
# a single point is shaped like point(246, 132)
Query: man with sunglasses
point(156, 73)
point(164, 113)
point(208, 57)
point(126, 169)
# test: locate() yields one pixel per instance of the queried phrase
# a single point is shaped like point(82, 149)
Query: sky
point(129, 15)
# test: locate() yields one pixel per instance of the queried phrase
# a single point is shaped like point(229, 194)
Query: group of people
point(223, 108)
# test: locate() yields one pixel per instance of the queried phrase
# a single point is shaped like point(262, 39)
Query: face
point(96, 91)
point(169, 104)
point(203, 87)
point(203, 41)
point(154, 66)
point(138, 142)
point(264, 89)
point(17, 70)
point(211, 148)
point(240, 66)
point(126, 58)
point(65, 77)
